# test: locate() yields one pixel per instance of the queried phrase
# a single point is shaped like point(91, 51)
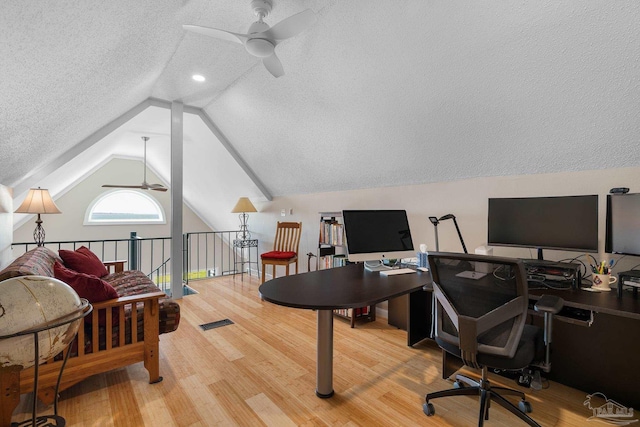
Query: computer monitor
point(623, 224)
point(563, 223)
point(377, 235)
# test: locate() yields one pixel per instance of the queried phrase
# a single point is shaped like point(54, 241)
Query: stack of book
point(331, 232)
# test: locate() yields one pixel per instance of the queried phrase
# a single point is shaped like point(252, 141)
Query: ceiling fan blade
point(219, 34)
point(291, 26)
point(273, 65)
point(121, 186)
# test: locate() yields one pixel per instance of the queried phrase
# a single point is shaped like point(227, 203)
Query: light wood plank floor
point(260, 371)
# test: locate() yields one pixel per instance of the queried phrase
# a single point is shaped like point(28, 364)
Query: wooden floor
point(261, 371)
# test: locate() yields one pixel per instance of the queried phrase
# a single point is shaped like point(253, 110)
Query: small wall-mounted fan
point(144, 185)
point(261, 39)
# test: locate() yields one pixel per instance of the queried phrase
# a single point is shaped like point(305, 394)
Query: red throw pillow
point(87, 286)
point(84, 261)
point(277, 255)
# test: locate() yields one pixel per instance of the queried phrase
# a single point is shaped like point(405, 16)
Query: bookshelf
point(332, 253)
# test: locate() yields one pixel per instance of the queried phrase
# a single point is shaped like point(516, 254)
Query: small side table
point(247, 244)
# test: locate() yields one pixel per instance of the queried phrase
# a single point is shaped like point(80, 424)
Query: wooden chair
point(285, 248)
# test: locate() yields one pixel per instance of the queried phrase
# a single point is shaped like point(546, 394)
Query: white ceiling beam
point(43, 171)
point(227, 145)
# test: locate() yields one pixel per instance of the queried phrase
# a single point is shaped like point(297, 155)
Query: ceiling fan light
point(259, 47)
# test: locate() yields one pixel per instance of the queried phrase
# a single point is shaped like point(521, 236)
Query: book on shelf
point(331, 232)
point(339, 260)
point(325, 262)
point(330, 261)
point(352, 312)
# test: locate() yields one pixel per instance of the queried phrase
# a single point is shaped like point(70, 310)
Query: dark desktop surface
point(600, 302)
point(340, 287)
point(595, 344)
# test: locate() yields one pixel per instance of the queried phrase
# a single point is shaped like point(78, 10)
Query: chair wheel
point(459, 384)
point(428, 409)
point(525, 406)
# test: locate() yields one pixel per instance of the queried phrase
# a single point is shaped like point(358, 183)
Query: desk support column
point(324, 358)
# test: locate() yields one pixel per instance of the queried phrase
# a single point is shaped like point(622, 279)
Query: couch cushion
point(84, 261)
point(88, 286)
point(36, 262)
point(134, 282)
point(130, 282)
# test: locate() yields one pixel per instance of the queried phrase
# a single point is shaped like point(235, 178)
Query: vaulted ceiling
point(375, 93)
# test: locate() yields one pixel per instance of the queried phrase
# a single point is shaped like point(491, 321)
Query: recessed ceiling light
point(198, 78)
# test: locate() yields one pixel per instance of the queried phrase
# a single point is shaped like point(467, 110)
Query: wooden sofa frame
point(84, 364)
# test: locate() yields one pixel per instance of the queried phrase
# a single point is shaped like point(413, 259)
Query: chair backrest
point(287, 237)
point(482, 303)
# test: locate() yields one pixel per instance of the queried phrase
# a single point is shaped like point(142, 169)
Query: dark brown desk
point(342, 287)
point(596, 343)
point(595, 348)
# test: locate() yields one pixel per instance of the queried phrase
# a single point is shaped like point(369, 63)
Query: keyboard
point(397, 271)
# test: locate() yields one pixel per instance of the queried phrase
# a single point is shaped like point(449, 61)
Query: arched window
point(124, 207)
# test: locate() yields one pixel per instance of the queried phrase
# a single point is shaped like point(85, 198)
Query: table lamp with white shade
point(38, 201)
point(243, 206)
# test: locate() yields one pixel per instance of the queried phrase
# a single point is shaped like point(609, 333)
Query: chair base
point(465, 386)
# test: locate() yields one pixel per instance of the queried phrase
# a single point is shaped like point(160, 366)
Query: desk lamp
point(435, 221)
point(38, 201)
point(243, 206)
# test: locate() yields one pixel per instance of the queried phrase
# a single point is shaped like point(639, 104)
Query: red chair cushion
point(87, 286)
point(84, 261)
point(277, 255)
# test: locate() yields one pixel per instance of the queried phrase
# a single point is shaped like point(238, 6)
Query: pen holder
point(603, 282)
point(422, 259)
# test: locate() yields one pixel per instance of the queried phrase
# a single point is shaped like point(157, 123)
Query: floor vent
point(216, 324)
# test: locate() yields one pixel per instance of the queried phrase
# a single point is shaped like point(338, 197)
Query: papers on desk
point(397, 271)
point(471, 275)
point(595, 289)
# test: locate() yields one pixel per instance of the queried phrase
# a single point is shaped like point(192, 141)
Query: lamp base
point(244, 233)
point(38, 233)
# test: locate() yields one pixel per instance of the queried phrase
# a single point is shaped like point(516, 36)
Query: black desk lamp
point(435, 221)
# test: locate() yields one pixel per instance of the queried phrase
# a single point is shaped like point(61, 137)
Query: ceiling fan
point(261, 39)
point(144, 185)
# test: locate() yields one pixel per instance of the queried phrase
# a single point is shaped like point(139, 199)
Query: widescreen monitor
point(375, 235)
point(623, 224)
point(563, 223)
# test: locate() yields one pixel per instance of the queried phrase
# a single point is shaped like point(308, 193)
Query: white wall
point(467, 199)
point(6, 224)
point(69, 224)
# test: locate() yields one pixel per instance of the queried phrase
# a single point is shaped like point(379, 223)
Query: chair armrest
point(118, 265)
point(549, 304)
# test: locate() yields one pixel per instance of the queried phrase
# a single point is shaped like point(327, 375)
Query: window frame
point(128, 221)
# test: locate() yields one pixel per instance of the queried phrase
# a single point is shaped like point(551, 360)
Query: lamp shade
point(38, 201)
point(244, 205)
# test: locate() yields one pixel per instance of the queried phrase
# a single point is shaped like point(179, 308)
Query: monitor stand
point(375, 266)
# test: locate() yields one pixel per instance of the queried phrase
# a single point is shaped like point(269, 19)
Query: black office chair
point(480, 316)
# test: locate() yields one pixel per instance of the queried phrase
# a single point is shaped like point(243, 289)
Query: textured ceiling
point(375, 93)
